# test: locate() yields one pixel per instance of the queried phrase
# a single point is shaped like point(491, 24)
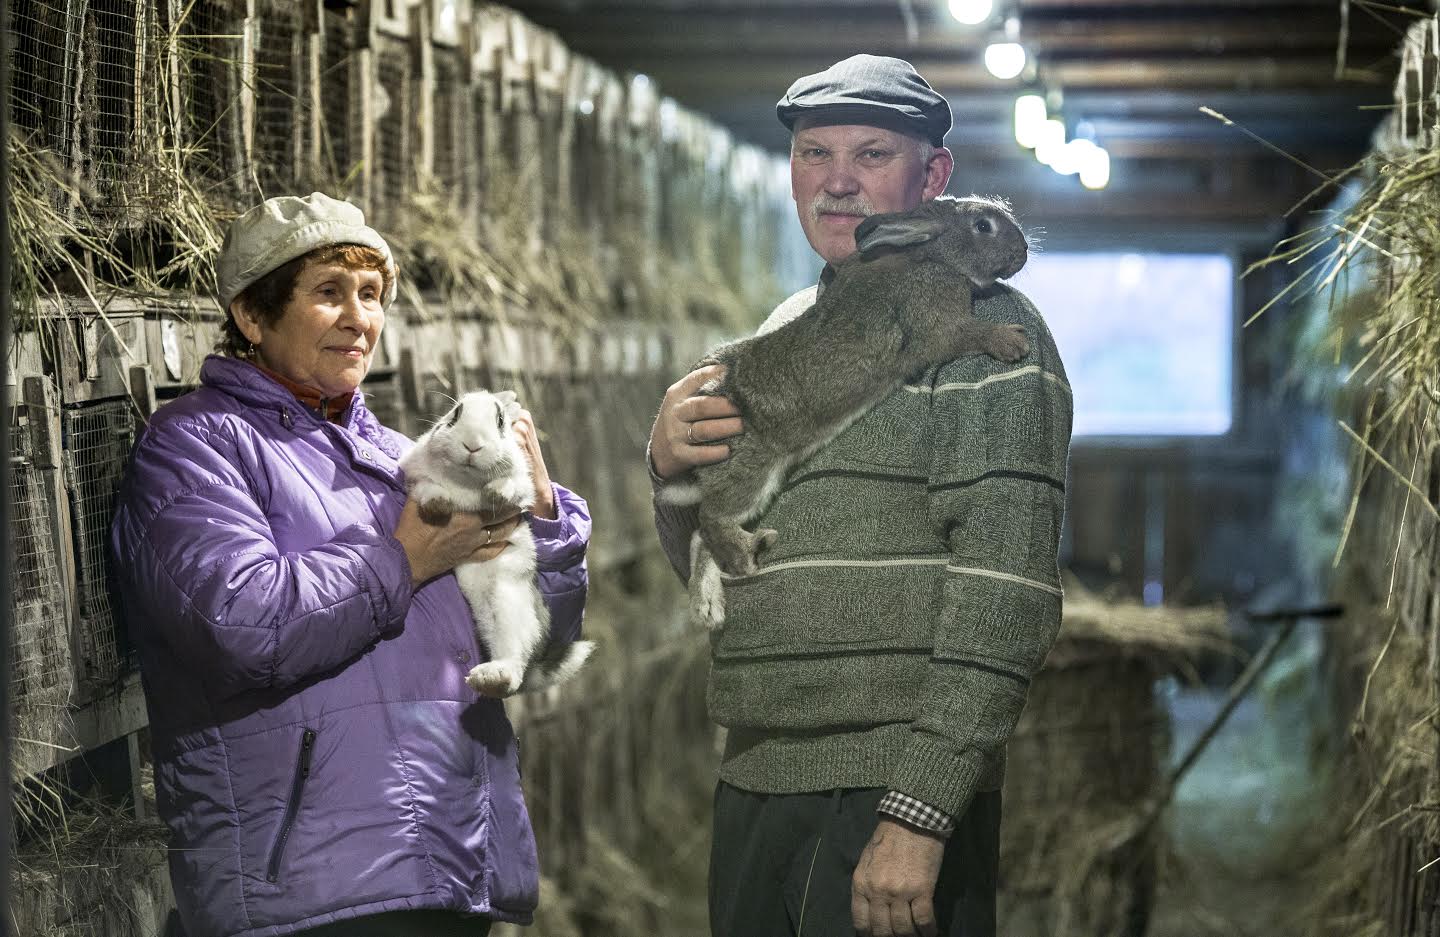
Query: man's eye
point(875, 154)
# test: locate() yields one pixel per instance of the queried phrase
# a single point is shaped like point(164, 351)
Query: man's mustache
point(825, 204)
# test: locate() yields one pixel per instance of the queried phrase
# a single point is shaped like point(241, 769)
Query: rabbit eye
point(455, 414)
point(499, 418)
point(984, 226)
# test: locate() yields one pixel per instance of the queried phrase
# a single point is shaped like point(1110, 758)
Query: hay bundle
point(1086, 754)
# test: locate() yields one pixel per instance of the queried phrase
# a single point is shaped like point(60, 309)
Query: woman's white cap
point(280, 229)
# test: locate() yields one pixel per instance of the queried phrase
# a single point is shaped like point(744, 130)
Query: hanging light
point(1073, 156)
point(1051, 141)
point(1095, 174)
point(972, 12)
point(1005, 60)
point(1029, 119)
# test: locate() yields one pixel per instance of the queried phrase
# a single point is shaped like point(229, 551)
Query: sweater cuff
point(938, 775)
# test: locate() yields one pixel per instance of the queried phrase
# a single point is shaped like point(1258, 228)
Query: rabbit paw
point(707, 603)
point(496, 678)
point(1008, 343)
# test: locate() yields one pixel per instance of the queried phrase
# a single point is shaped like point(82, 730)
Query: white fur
point(472, 460)
point(707, 590)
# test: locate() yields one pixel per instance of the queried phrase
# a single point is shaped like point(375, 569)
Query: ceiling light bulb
point(1029, 119)
point(1070, 159)
point(1051, 141)
point(972, 12)
point(1095, 174)
point(1005, 60)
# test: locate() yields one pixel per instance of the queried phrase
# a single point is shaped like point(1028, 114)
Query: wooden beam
point(530, 7)
point(726, 77)
point(785, 34)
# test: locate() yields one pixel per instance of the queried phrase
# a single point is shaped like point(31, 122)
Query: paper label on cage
point(170, 348)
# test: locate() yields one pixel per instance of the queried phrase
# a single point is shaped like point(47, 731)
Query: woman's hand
point(436, 545)
point(530, 441)
point(688, 427)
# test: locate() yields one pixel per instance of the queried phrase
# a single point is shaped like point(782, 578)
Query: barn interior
point(1232, 208)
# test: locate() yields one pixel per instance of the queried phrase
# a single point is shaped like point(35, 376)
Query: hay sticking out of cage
point(1383, 655)
point(100, 873)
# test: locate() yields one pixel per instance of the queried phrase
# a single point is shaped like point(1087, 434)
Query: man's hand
point(892, 893)
point(687, 428)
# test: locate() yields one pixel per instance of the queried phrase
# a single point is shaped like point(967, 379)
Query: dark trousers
point(404, 924)
point(780, 862)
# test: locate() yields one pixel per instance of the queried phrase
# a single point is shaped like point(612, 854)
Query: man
point(871, 672)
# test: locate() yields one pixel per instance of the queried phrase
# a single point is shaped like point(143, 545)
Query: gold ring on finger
point(690, 433)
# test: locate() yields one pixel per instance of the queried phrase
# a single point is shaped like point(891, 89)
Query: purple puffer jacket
point(318, 755)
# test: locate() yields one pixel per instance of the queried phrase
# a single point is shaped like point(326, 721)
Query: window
point(1146, 338)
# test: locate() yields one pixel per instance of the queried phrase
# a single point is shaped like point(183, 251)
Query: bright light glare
point(1005, 60)
point(1095, 173)
point(972, 12)
point(1029, 119)
point(1051, 141)
point(1072, 157)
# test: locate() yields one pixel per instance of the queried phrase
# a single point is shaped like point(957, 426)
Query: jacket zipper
point(302, 771)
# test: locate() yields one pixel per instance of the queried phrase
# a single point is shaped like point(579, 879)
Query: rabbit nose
point(470, 448)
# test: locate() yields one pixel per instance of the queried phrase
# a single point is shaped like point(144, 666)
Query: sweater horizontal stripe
point(889, 636)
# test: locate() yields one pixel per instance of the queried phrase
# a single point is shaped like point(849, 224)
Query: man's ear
point(937, 172)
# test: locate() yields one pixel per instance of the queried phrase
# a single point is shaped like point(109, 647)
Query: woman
point(319, 759)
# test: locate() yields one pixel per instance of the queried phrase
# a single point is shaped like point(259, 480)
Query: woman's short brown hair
point(268, 296)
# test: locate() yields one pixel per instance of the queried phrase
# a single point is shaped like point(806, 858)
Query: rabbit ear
point(896, 230)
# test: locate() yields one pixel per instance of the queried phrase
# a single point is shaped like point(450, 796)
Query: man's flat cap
point(874, 90)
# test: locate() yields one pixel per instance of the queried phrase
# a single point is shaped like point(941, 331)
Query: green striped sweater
point(890, 635)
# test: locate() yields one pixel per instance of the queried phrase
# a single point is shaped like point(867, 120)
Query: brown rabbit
point(900, 305)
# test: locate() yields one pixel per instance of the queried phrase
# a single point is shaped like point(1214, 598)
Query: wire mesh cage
point(41, 674)
point(280, 104)
point(44, 45)
point(208, 36)
point(112, 49)
point(450, 124)
point(97, 438)
point(394, 126)
point(339, 123)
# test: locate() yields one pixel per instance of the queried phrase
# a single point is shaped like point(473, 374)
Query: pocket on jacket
point(303, 762)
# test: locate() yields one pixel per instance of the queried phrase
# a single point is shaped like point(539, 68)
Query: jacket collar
point(258, 388)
